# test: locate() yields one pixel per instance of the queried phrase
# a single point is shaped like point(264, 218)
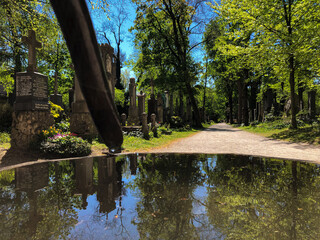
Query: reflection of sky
point(114, 225)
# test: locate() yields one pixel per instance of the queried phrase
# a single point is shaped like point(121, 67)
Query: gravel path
point(224, 139)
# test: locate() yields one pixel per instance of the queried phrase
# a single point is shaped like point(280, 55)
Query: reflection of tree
point(264, 199)
point(166, 186)
point(45, 213)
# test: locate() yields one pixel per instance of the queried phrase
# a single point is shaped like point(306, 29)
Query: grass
point(135, 144)
point(280, 130)
point(4, 140)
point(130, 144)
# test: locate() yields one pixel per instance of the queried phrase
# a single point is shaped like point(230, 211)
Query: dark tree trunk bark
point(292, 93)
point(240, 96)
point(300, 93)
point(230, 105)
point(118, 69)
point(245, 105)
point(195, 108)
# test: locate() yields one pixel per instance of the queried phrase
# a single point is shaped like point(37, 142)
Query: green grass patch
point(135, 144)
point(5, 140)
point(280, 130)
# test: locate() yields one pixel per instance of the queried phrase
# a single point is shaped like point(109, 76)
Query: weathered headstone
point(160, 108)
point(152, 102)
point(123, 119)
point(56, 98)
point(255, 114)
point(31, 108)
point(133, 118)
point(141, 104)
point(109, 62)
point(312, 104)
point(153, 125)
point(81, 121)
point(145, 128)
point(166, 111)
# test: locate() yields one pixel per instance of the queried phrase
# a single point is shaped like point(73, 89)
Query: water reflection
point(162, 197)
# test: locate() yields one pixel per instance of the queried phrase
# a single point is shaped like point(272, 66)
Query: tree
point(284, 33)
point(166, 26)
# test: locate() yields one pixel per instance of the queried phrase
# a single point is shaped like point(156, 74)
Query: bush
point(176, 122)
point(64, 126)
point(66, 145)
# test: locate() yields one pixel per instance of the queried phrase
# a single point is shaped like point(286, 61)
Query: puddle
point(168, 196)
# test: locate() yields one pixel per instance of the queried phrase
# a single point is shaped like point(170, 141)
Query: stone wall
point(26, 125)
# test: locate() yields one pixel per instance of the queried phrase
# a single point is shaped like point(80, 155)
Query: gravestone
point(159, 108)
point(254, 114)
point(56, 98)
point(133, 118)
point(312, 104)
point(166, 112)
point(81, 121)
point(153, 125)
point(141, 105)
point(31, 108)
point(109, 63)
point(123, 119)
point(152, 102)
point(145, 128)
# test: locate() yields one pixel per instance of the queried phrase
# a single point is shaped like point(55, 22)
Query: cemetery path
point(224, 139)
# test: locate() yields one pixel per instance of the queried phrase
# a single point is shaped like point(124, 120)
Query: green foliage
point(6, 81)
point(66, 145)
point(7, 177)
point(119, 97)
point(4, 137)
point(176, 122)
point(63, 126)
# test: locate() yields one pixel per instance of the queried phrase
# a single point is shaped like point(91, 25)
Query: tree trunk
point(230, 105)
point(195, 108)
point(300, 93)
point(240, 96)
point(292, 93)
point(118, 69)
point(245, 105)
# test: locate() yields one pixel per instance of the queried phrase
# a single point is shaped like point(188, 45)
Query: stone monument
point(31, 109)
point(109, 63)
point(81, 121)
point(56, 98)
point(133, 118)
point(152, 102)
point(141, 105)
point(159, 108)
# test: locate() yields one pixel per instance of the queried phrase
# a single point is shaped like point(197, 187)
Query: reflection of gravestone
point(81, 121)
point(84, 179)
point(107, 184)
point(133, 118)
point(31, 108)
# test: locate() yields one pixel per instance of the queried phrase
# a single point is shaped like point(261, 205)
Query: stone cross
point(32, 45)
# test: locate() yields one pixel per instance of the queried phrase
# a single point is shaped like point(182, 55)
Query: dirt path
point(222, 138)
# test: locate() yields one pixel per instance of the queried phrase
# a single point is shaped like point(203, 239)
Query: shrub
point(64, 126)
point(176, 122)
point(66, 145)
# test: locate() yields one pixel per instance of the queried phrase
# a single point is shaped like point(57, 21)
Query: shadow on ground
point(306, 135)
